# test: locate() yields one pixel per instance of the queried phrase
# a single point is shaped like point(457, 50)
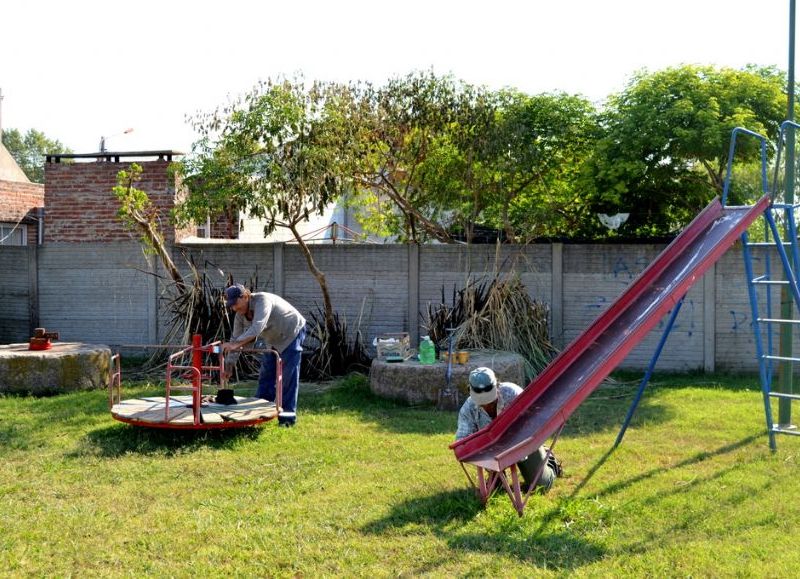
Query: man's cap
point(233, 293)
point(482, 386)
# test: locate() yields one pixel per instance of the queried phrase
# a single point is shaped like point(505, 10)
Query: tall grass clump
point(494, 314)
point(335, 351)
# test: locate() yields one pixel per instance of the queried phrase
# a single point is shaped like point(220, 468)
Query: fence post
point(557, 295)
point(277, 268)
point(33, 288)
point(710, 319)
point(413, 292)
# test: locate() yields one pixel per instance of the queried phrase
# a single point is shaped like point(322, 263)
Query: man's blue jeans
point(290, 357)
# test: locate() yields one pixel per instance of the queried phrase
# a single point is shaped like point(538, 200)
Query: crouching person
point(486, 400)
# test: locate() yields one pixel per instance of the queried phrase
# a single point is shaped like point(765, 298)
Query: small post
point(197, 362)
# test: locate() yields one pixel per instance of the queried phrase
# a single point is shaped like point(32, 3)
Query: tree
point(665, 145)
point(449, 156)
point(403, 124)
point(29, 151)
point(281, 153)
point(526, 161)
point(195, 304)
point(139, 214)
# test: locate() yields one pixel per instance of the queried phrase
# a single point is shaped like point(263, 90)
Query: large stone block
point(66, 367)
point(417, 383)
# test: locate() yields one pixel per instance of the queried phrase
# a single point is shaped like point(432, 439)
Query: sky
point(87, 69)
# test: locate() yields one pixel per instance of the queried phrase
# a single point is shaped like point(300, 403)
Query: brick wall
point(20, 201)
point(225, 226)
point(81, 206)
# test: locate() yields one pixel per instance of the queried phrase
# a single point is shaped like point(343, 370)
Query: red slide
point(546, 404)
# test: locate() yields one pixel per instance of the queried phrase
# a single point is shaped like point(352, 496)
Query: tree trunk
point(323, 284)
point(157, 242)
point(510, 237)
point(433, 229)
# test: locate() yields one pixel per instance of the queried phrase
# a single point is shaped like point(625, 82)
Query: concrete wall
point(97, 293)
point(104, 292)
point(17, 293)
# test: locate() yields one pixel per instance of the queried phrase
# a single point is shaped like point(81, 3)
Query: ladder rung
point(771, 281)
point(781, 358)
point(791, 431)
point(785, 395)
point(767, 243)
point(779, 320)
point(187, 388)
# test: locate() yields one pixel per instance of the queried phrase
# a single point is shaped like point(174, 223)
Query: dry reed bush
point(335, 352)
point(494, 314)
point(197, 306)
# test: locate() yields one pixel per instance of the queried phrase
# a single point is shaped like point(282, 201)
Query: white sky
point(84, 69)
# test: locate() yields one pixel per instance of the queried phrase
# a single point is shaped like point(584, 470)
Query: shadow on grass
point(621, 485)
point(698, 510)
point(696, 516)
point(121, 439)
point(451, 516)
point(33, 421)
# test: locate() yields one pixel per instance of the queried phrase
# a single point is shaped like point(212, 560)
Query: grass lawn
point(365, 487)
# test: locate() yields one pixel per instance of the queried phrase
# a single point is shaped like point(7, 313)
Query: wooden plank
point(211, 417)
point(250, 414)
point(153, 403)
point(182, 416)
point(151, 409)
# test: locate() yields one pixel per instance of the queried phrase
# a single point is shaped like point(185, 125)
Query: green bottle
point(427, 351)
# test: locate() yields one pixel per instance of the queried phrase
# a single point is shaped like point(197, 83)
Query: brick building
point(21, 203)
point(81, 206)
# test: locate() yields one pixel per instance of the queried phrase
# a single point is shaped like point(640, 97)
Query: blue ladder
point(761, 285)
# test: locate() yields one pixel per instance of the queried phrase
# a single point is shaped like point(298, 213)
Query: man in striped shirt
point(486, 400)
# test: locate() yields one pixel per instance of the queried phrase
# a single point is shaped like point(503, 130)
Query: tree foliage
point(426, 157)
point(29, 151)
point(447, 155)
point(404, 124)
point(528, 161)
point(281, 153)
point(665, 142)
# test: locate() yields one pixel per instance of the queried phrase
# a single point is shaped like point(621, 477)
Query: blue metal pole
point(768, 291)
point(787, 267)
point(785, 348)
point(732, 149)
point(766, 377)
point(650, 369)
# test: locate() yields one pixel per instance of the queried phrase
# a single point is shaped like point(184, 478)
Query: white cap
point(482, 386)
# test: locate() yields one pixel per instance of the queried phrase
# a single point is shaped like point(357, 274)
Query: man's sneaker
point(554, 463)
point(287, 418)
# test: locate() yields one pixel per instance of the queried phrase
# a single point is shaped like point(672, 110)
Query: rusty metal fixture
point(41, 339)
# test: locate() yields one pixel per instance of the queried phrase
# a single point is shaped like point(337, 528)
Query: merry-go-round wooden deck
point(150, 412)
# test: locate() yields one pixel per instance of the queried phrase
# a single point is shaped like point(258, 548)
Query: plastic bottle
point(427, 351)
